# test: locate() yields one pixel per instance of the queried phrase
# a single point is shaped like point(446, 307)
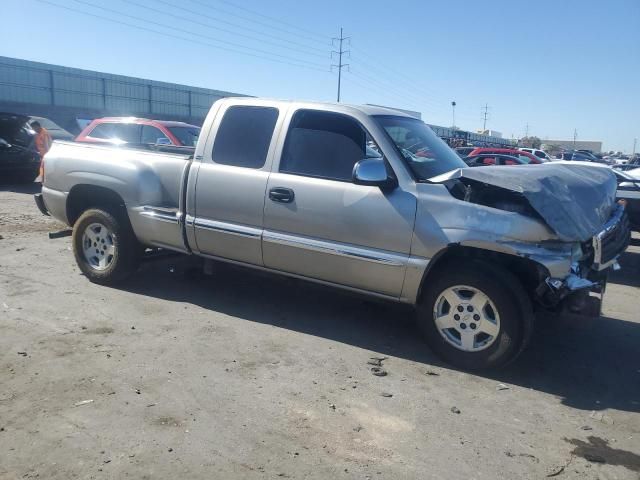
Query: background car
point(583, 156)
point(537, 152)
point(485, 159)
point(464, 151)
point(526, 157)
point(55, 130)
point(19, 161)
point(629, 191)
point(119, 130)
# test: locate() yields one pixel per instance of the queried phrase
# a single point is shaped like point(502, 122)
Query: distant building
point(71, 96)
point(594, 146)
point(491, 133)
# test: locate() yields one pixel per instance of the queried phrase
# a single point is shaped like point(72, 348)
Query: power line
point(305, 50)
point(181, 30)
point(340, 53)
point(386, 92)
point(290, 25)
point(217, 9)
point(158, 32)
point(394, 81)
point(399, 75)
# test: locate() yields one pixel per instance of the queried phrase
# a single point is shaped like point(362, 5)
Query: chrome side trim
point(223, 227)
point(368, 293)
point(190, 220)
point(332, 248)
point(159, 213)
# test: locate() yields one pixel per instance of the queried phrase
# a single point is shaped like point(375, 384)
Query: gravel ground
point(248, 375)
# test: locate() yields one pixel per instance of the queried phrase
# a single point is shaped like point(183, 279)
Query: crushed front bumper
point(583, 289)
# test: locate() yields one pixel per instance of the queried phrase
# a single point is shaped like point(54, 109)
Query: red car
point(526, 157)
point(139, 131)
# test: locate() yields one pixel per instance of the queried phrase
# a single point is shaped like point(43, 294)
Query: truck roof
point(346, 107)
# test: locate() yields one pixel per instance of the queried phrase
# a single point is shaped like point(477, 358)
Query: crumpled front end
point(581, 291)
point(587, 230)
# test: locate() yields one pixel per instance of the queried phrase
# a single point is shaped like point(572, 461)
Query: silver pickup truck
point(359, 197)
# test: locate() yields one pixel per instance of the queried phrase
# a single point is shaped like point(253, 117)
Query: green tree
point(530, 142)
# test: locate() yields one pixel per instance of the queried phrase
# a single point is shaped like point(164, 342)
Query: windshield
point(425, 153)
point(188, 136)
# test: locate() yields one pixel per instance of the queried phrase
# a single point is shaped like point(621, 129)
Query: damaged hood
point(574, 200)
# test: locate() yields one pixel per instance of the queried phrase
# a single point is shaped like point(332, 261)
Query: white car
point(538, 153)
point(634, 173)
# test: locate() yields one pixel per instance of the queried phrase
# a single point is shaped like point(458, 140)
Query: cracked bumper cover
point(585, 284)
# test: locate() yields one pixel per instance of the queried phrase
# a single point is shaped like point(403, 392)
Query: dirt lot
point(247, 375)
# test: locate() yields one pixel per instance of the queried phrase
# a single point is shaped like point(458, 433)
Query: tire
point(105, 247)
point(480, 338)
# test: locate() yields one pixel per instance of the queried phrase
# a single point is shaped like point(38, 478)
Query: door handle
point(281, 195)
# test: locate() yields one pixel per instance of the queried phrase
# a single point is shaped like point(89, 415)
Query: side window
point(154, 135)
point(244, 136)
point(102, 130)
point(325, 145)
point(123, 132)
point(128, 132)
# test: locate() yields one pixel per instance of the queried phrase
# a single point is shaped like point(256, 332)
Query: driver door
point(318, 224)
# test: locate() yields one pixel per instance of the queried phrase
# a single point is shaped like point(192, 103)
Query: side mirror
point(373, 172)
point(163, 141)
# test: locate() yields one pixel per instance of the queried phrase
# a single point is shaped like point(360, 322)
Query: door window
point(117, 132)
point(244, 136)
point(324, 145)
point(154, 135)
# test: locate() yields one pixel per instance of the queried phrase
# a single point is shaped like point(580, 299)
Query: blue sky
point(556, 65)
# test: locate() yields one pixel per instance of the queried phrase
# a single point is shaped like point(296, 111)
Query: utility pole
point(635, 140)
point(575, 135)
point(453, 114)
point(526, 130)
point(486, 112)
point(340, 53)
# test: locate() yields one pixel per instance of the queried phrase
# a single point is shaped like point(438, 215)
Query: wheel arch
point(83, 196)
point(529, 272)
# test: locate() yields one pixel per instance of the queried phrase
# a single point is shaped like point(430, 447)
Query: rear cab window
point(244, 136)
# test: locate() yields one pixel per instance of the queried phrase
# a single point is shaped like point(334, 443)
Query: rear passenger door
point(231, 183)
point(319, 224)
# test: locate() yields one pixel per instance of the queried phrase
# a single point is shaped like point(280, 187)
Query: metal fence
point(39, 83)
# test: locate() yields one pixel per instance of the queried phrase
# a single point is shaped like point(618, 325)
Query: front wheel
point(104, 246)
point(475, 315)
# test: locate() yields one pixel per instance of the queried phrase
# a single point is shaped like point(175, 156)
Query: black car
point(485, 159)
point(19, 160)
point(580, 155)
point(629, 191)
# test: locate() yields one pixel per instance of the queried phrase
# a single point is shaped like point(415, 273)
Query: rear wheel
point(475, 315)
point(104, 246)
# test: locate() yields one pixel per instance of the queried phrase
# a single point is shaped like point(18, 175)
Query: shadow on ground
point(629, 273)
point(588, 363)
point(597, 450)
